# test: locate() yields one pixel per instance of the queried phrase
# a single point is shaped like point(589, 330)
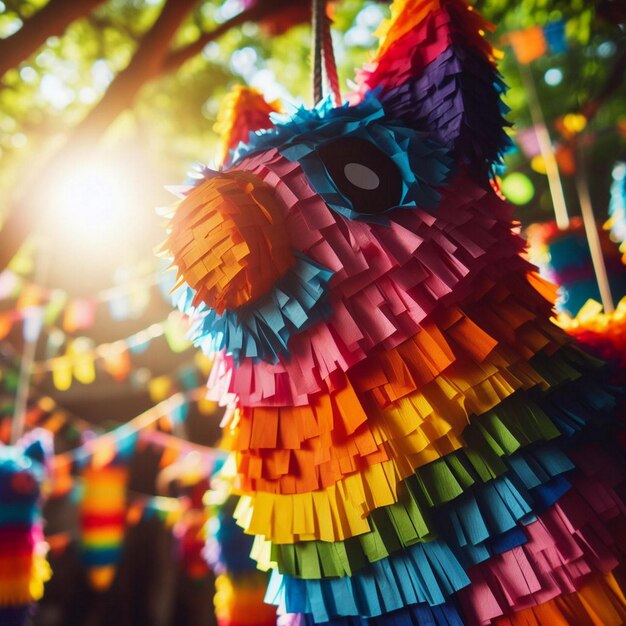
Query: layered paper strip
point(102, 522)
point(603, 334)
point(436, 72)
point(413, 441)
point(23, 565)
point(243, 110)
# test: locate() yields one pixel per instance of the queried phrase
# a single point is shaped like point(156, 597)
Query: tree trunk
point(144, 66)
point(53, 19)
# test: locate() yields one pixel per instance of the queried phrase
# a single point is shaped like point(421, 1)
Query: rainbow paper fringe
point(413, 440)
point(103, 522)
point(604, 334)
point(23, 565)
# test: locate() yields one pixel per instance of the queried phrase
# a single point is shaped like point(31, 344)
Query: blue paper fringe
point(445, 614)
point(262, 329)
point(230, 546)
point(424, 164)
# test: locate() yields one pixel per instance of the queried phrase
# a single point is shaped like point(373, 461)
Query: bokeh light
point(553, 76)
point(538, 164)
point(518, 188)
point(574, 122)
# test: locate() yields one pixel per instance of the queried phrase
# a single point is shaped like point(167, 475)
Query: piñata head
point(263, 243)
point(21, 474)
point(398, 398)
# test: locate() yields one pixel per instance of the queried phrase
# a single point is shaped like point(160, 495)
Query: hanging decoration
point(127, 300)
point(239, 586)
point(412, 439)
point(563, 257)
point(604, 335)
point(102, 520)
point(190, 532)
point(78, 362)
point(532, 43)
point(23, 565)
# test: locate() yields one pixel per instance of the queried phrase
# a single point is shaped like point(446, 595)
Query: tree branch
point(53, 19)
point(261, 10)
point(145, 64)
point(149, 61)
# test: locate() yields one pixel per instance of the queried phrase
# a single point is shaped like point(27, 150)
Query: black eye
point(363, 173)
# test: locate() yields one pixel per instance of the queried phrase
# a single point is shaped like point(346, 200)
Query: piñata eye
point(363, 174)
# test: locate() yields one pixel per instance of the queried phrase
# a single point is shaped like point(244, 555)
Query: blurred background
point(103, 104)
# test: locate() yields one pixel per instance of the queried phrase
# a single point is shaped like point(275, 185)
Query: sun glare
point(92, 203)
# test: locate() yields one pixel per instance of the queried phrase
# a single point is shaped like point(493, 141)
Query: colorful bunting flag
point(555, 36)
point(528, 44)
point(79, 314)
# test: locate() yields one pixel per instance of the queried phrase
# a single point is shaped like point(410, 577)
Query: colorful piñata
point(563, 257)
point(103, 521)
point(239, 586)
point(414, 441)
point(190, 530)
point(23, 565)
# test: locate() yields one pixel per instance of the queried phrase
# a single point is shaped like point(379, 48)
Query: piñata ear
point(36, 451)
point(436, 72)
point(243, 111)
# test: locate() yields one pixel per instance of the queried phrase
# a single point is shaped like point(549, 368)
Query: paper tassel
point(116, 360)
point(23, 565)
point(10, 284)
point(103, 520)
point(6, 324)
point(554, 33)
point(243, 111)
point(79, 315)
point(190, 534)
point(160, 388)
point(415, 615)
point(175, 331)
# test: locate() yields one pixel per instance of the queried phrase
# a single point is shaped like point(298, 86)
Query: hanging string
point(322, 45)
point(329, 62)
point(317, 16)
